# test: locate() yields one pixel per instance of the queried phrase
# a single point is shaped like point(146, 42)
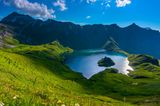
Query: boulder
point(106, 62)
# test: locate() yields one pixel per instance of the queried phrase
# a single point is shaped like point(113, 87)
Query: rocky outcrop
point(7, 36)
point(111, 45)
point(106, 62)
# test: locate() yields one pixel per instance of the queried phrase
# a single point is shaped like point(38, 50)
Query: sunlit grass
point(36, 75)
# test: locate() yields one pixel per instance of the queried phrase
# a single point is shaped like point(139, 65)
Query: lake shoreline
point(86, 62)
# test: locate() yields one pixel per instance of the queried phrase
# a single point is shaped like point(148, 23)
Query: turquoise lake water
point(86, 62)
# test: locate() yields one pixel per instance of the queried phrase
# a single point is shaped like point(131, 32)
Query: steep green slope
point(6, 37)
point(36, 75)
point(140, 87)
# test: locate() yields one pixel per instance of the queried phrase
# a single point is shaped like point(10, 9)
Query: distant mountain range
point(133, 38)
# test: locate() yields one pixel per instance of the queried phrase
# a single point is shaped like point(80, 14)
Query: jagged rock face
point(111, 45)
point(3, 33)
point(6, 36)
point(132, 39)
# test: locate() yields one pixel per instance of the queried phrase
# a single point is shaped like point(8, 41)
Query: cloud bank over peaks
point(31, 8)
point(40, 10)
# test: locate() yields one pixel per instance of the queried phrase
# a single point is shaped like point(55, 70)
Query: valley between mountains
point(33, 69)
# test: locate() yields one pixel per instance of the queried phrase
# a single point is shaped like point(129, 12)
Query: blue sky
point(122, 12)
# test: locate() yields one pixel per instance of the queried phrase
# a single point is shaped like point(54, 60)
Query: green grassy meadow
point(36, 75)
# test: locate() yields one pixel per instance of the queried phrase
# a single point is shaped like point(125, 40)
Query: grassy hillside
point(36, 75)
point(141, 87)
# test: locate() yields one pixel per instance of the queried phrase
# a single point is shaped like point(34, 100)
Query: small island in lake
point(106, 62)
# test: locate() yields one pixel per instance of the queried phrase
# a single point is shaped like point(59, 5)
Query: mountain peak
point(16, 19)
point(133, 25)
point(14, 14)
point(114, 25)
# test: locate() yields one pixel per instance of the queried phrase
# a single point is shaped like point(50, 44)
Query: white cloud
point(108, 3)
point(91, 1)
point(122, 3)
point(105, 3)
point(88, 17)
point(33, 9)
point(61, 4)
